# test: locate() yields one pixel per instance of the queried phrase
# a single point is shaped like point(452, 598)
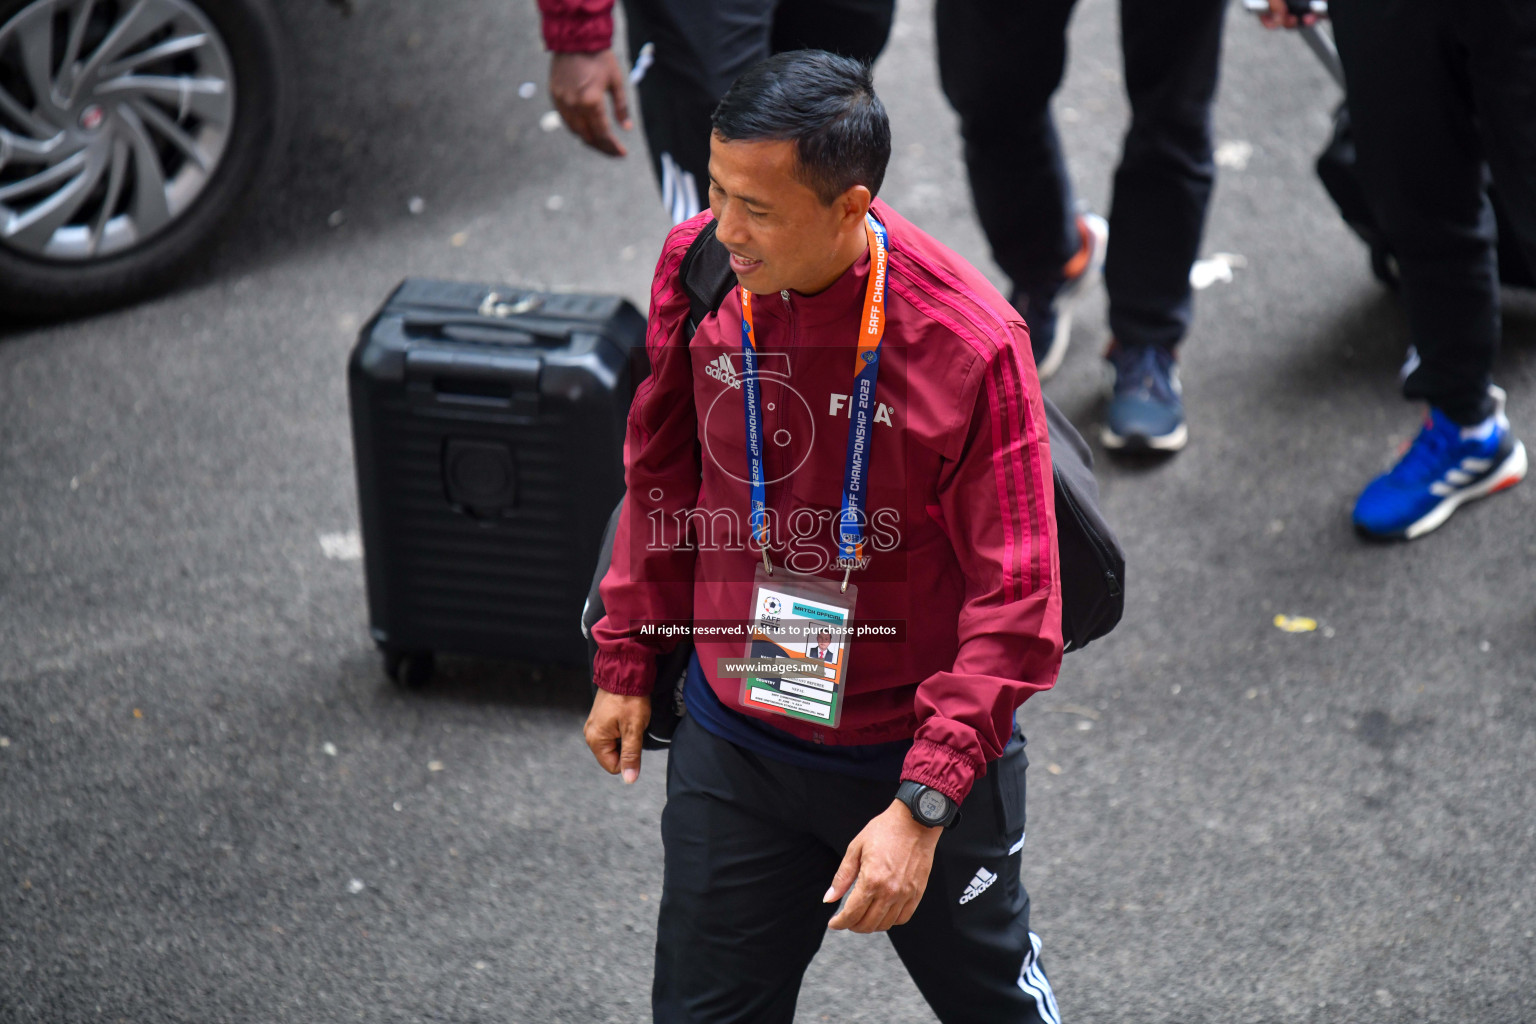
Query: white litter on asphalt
point(416, 205)
point(526, 90)
point(1234, 154)
point(337, 218)
point(1216, 269)
point(555, 203)
point(550, 120)
point(329, 748)
point(355, 886)
point(342, 547)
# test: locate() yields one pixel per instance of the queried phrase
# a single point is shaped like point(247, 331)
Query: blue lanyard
point(851, 519)
point(752, 402)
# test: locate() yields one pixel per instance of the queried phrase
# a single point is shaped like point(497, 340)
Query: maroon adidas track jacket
point(962, 533)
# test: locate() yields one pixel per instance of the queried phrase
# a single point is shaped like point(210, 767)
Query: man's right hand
point(614, 731)
point(577, 84)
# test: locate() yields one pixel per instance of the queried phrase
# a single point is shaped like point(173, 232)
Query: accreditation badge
point(796, 661)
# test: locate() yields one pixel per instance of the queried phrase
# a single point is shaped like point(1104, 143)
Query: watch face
point(933, 805)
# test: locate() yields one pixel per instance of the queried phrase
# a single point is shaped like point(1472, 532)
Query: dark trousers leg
point(751, 845)
point(1000, 61)
point(853, 28)
point(1503, 56)
point(741, 912)
point(969, 947)
point(1421, 163)
point(1418, 77)
point(1163, 184)
point(700, 47)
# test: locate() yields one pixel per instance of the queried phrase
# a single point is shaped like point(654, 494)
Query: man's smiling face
point(779, 233)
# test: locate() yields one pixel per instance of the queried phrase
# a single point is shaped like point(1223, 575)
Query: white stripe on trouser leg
point(643, 61)
point(1032, 980)
point(668, 181)
point(679, 190)
point(693, 194)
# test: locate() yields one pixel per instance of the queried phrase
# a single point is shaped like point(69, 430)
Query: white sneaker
point(1051, 329)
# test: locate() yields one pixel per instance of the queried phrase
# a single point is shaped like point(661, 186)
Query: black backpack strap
point(706, 276)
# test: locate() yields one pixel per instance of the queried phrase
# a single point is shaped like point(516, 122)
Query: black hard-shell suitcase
point(488, 429)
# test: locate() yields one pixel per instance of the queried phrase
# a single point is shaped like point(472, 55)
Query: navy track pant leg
point(751, 845)
point(969, 947)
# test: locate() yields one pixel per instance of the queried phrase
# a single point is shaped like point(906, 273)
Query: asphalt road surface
point(213, 807)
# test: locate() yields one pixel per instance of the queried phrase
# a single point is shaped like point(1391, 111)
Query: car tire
point(34, 286)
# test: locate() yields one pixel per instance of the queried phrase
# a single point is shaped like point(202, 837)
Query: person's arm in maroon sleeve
point(998, 509)
point(998, 504)
point(649, 581)
point(583, 70)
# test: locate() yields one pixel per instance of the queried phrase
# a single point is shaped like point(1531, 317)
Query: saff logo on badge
point(768, 617)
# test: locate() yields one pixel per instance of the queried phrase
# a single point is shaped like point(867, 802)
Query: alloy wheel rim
point(114, 115)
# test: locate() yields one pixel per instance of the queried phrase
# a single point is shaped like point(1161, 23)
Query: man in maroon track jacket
point(909, 799)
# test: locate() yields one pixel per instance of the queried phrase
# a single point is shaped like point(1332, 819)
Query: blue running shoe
point(1146, 405)
point(1445, 467)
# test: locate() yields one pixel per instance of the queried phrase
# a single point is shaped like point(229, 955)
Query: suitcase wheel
point(410, 669)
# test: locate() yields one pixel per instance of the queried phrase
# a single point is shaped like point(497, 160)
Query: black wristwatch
point(928, 806)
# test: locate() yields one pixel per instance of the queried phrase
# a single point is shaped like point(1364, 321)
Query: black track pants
point(1436, 92)
point(1000, 61)
point(751, 846)
point(699, 47)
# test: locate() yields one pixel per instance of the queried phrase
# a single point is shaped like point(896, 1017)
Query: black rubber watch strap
point(911, 793)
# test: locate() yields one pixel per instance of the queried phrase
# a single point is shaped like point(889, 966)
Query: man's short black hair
point(826, 105)
point(824, 633)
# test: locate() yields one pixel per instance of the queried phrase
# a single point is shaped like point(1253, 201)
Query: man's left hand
point(887, 865)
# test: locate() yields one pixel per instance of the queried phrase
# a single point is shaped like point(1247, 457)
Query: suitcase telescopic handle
point(1321, 44)
point(464, 328)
